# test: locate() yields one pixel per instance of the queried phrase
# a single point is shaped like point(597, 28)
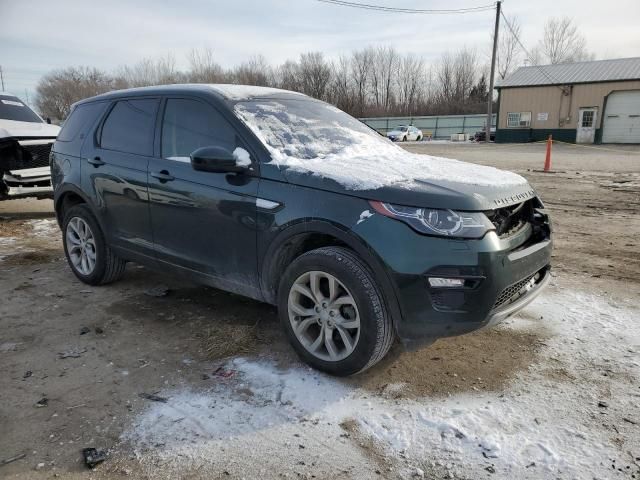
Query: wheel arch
point(67, 198)
point(307, 235)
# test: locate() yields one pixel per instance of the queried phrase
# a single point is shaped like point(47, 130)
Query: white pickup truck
point(25, 143)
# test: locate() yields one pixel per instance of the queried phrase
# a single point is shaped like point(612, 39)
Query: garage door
point(622, 118)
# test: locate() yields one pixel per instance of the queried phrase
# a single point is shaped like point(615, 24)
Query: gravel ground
point(551, 394)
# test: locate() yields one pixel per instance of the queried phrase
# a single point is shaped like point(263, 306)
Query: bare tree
point(563, 43)
point(149, 71)
point(383, 72)
point(508, 54)
point(410, 82)
point(203, 67)
point(256, 71)
point(342, 92)
point(361, 62)
point(315, 74)
point(60, 89)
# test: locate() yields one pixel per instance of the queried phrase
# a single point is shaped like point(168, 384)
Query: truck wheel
point(87, 252)
point(333, 312)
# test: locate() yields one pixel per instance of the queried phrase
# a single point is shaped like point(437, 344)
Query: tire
point(107, 266)
point(419, 138)
point(357, 287)
point(404, 139)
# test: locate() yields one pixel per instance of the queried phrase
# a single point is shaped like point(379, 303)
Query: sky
point(37, 36)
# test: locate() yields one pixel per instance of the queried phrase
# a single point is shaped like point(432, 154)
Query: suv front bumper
point(501, 276)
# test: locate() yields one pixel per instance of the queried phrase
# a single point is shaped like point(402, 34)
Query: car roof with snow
point(226, 92)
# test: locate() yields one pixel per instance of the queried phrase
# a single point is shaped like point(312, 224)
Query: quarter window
point(82, 117)
point(518, 119)
point(189, 124)
point(129, 127)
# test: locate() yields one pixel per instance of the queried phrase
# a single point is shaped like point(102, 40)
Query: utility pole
point(493, 71)
point(1, 78)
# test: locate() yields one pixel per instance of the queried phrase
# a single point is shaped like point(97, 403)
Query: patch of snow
point(334, 145)
point(44, 227)
point(243, 159)
point(363, 216)
point(245, 92)
point(537, 428)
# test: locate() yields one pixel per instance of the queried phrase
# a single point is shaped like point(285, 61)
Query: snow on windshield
point(312, 137)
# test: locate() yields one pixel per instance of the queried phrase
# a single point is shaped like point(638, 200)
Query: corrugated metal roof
point(568, 73)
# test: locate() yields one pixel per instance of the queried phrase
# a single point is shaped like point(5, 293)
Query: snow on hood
point(12, 128)
point(331, 144)
point(244, 92)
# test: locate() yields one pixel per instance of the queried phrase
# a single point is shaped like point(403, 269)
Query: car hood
point(414, 180)
point(12, 128)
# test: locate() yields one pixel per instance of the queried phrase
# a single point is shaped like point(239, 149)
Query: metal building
point(584, 102)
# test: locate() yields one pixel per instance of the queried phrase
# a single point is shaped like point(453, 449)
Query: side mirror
point(216, 160)
point(48, 120)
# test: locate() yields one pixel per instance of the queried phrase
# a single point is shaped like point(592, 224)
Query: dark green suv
point(288, 200)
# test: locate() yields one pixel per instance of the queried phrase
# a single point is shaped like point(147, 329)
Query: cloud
point(41, 35)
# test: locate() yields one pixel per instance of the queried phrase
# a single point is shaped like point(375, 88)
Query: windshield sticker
point(13, 102)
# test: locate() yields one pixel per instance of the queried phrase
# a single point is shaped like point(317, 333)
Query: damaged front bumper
point(24, 169)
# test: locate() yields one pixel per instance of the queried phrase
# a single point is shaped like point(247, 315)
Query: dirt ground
point(78, 361)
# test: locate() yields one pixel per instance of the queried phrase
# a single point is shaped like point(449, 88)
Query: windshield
point(304, 129)
point(11, 108)
point(402, 129)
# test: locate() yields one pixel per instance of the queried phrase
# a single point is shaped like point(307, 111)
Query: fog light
point(438, 282)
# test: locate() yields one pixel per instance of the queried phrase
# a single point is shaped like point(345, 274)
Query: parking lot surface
point(175, 380)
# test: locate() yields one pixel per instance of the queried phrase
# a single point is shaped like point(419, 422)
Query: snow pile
point(538, 428)
point(331, 144)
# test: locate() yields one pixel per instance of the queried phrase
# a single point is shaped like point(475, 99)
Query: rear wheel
point(419, 138)
point(333, 313)
point(87, 252)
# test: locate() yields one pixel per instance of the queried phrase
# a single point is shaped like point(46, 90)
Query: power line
point(382, 8)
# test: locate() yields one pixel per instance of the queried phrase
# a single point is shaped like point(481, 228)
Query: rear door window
point(190, 124)
point(130, 126)
point(81, 119)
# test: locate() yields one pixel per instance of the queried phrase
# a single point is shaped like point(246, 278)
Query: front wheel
point(333, 312)
point(87, 252)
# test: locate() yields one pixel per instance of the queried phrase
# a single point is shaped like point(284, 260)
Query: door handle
point(95, 161)
point(163, 176)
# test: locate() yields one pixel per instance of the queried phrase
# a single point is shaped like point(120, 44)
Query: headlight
point(434, 221)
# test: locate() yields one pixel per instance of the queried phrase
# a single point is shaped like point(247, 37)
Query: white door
point(587, 118)
point(621, 121)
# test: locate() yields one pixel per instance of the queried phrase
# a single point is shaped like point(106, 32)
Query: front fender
point(293, 233)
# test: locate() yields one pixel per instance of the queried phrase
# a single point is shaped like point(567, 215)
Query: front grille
point(510, 220)
point(517, 290)
point(34, 156)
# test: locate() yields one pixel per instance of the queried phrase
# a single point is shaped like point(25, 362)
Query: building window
point(518, 119)
point(587, 118)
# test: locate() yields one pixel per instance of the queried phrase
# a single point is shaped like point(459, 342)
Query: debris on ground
point(152, 397)
point(43, 402)
point(93, 457)
point(71, 353)
point(84, 330)
point(224, 373)
point(602, 404)
point(6, 461)
point(27, 374)
point(40, 466)
point(158, 291)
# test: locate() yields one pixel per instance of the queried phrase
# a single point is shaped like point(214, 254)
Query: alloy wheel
point(324, 316)
point(81, 246)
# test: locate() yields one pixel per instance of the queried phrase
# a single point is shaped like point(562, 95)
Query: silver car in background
point(405, 133)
